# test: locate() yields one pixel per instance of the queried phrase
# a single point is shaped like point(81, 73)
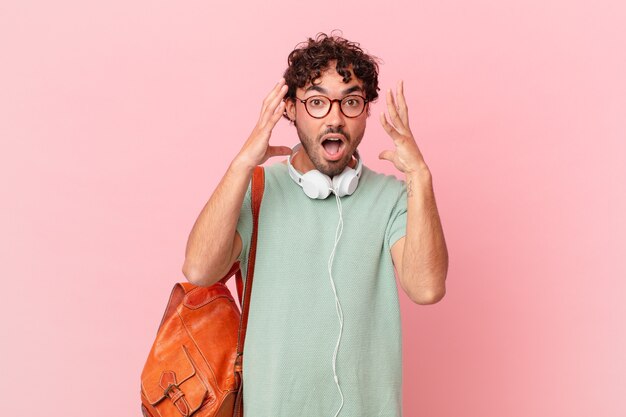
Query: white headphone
point(319, 186)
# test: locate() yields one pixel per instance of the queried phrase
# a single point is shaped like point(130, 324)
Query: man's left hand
point(407, 156)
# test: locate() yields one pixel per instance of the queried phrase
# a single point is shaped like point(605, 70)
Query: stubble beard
point(330, 168)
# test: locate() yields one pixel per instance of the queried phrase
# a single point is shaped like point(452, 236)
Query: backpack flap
point(174, 393)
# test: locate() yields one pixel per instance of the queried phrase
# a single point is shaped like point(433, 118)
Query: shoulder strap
point(258, 187)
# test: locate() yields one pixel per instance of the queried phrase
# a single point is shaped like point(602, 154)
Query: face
point(317, 135)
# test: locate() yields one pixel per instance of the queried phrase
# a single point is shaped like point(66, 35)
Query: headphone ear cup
point(316, 185)
point(346, 182)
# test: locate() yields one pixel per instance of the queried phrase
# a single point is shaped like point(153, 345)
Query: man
point(324, 335)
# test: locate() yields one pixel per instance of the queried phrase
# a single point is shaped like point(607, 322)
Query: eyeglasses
point(319, 106)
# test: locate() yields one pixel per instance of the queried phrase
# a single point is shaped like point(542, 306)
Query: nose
point(335, 117)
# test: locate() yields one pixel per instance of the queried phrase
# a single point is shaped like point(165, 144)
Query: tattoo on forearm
point(409, 188)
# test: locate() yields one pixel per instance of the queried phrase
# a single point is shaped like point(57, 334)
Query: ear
point(290, 109)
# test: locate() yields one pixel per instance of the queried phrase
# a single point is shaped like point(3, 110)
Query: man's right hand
point(257, 149)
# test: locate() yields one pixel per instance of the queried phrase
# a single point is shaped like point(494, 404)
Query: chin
point(332, 168)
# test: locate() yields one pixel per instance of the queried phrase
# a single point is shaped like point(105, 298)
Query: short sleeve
point(396, 227)
point(244, 226)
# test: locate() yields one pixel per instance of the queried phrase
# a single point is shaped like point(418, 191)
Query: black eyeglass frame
point(332, 101)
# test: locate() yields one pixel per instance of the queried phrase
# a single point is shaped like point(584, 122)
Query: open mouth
point(333, 147)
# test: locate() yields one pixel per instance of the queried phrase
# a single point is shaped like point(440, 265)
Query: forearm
point(425, 258)
point(210, 241)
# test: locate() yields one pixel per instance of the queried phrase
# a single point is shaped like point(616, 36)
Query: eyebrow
point(324, 91)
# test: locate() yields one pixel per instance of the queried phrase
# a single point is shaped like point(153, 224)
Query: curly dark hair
point(307, 61)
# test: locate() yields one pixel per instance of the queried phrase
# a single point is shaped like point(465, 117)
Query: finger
point(268, 99)
point(278, 151)
point(388, 155)
point(273, 105)
point(393, 111)
point(403, 109)
point(276, 116)
point(391, 131)
point(272, 95)
point(268, 121)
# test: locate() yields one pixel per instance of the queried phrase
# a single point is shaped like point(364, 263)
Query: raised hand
point(407, 156)
point(257, 149)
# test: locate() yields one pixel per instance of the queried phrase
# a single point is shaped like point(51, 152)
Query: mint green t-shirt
point(293, 324)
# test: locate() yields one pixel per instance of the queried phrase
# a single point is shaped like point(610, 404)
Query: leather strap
point(258, 187)
point(235, 269)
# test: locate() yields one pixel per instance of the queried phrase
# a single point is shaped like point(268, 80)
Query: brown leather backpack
point(195, 365)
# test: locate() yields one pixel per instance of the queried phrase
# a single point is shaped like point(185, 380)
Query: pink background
point(118, 119)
